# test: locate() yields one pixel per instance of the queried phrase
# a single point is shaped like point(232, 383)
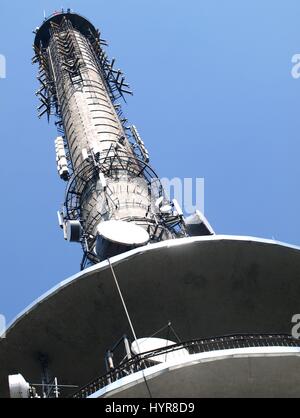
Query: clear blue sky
point(214, 98)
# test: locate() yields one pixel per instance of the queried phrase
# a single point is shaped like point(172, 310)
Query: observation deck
point(206, 286)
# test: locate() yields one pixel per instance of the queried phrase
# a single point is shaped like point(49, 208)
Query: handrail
point(145, 360)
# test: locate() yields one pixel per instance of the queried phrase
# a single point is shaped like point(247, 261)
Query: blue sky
point(214, 98)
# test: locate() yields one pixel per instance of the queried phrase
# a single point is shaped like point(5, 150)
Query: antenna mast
point(110, 204)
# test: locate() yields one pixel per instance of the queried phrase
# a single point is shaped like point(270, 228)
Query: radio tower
point(170, 308)
point(114, 200)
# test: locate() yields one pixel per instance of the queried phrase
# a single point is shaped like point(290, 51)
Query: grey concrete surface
point(206, 286)
point(249, 376)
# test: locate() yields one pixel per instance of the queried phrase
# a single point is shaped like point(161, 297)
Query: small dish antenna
point(125, 233)
point(146, 345)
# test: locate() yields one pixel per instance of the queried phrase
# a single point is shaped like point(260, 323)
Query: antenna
point(140, 144)
point(19, 388)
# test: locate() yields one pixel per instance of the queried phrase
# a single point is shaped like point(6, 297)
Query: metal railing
point(147, 359)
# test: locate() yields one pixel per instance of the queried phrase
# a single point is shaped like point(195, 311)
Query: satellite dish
point(124, 233)
point(18, 387)
point(144, 345)
point(117, 237)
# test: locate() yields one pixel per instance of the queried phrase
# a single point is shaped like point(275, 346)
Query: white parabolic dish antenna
point(126, 233)
point(144, 345)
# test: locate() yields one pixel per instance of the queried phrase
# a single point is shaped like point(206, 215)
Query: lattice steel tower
point(114, 200)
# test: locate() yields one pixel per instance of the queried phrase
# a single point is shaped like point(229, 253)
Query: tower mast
point(114, 198)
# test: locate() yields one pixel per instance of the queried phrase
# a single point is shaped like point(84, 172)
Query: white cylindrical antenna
point(60, 219)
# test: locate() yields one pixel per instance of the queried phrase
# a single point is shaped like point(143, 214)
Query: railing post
point(109, 363)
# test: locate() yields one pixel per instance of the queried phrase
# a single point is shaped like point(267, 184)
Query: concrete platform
point(207, 286)
point(270, 372)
